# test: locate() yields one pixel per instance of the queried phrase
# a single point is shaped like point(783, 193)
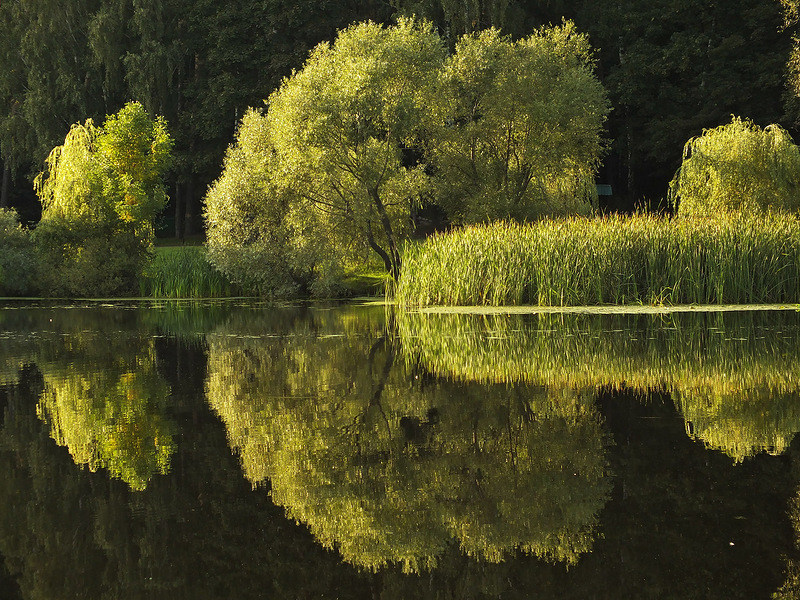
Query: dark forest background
point(671, 68)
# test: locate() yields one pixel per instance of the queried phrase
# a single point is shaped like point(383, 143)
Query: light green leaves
point(381, 121)
point(518, 126)
point(738, 167)
point(101, 193)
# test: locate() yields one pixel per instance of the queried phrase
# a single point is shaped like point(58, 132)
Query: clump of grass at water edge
point(184, 272)
point(642, 259)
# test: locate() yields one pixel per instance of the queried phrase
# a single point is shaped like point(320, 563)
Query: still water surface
point(248, 451)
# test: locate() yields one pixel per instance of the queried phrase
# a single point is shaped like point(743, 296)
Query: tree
point(738, 167)
point(518, 128)
point(674, 67)
point(378, 123)
point(100, 195)
point(338, 131)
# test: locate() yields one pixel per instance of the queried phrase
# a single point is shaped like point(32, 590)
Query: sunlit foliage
point(517, 130)
point(617, 260)
point(738, 167)
point(388, 471)
point(380, 122)
point(100, 194)
point(321, 174)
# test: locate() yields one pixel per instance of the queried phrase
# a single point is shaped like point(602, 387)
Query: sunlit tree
point(518, 127)
point(100, 193)
point(738, 167)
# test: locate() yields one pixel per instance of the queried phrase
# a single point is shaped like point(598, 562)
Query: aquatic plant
point(612, 260)
point(184, 272)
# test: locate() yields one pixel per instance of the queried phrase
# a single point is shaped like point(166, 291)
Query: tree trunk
point(180, 211)
point(4, 200)
point(394, 253)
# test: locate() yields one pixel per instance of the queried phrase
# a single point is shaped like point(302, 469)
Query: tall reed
point(184, 272)
point(611, 260)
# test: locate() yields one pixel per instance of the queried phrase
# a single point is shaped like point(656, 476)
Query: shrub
point(17, 262)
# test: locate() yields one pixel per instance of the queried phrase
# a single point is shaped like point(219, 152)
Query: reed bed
point(640, 259)
point(184, 272)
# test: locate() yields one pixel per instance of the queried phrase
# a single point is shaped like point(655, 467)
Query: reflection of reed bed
point(735, 377)
point(724, 352)
point(617, 260)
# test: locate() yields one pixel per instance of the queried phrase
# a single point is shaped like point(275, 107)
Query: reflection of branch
point(387, 367)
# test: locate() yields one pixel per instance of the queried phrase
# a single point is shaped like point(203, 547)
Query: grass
point(184, 272)
point(611, 260)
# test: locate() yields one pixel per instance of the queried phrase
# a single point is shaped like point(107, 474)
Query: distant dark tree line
point(672, 68)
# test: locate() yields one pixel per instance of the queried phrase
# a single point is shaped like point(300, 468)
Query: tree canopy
point(738, 167)
point(518, 127)
point(101, 192)
point(381, 121)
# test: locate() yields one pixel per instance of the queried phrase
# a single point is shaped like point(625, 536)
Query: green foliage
point(184, 272)
point(378, 122)
point(517, 131)
point(617, 260)
point(100, 195)
point(17, 261)
point(256, 236)
point(738, 167)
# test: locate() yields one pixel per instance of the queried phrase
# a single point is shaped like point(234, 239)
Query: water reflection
point(735, 377)
point(388, 468)
point(500, 451)
point(102, 398)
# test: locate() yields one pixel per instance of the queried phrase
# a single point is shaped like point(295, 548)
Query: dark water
point(243, 451)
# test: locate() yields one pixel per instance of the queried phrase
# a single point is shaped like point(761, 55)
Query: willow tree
point(518, 126)
point(737, 167)
point(101, 192)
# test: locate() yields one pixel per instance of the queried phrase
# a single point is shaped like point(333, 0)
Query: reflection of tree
point(731, 374)
point(740, 424)
point(103, 396)
point(388, 469)
point(200, 532)
point(111, 417)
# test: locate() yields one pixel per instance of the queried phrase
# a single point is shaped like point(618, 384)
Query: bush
point(737, 167)
point(17, 263)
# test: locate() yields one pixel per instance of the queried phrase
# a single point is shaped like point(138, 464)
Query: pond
point(242, 450)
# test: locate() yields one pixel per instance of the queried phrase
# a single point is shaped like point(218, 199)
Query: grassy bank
point(612, 260)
